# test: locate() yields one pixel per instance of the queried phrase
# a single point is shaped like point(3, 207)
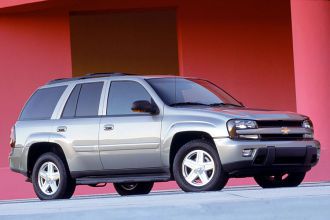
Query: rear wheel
point(126, 189)
point(197, 167)
point(51, 178)
point(280, 180)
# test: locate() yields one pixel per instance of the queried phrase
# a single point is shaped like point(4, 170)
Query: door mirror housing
point(145, 106)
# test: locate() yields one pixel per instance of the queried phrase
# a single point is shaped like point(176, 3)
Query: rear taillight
point(12, 137)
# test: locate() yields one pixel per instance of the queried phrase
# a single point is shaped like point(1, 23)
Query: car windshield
point(176, 91)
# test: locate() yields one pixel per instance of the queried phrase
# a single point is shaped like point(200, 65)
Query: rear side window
point(84, 101)
point(42, 103)
point(123, 94)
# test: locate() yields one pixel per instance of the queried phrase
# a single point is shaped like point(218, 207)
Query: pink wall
point(243, 46)
point(10, 3)
point(34, 49)
point(311, 43)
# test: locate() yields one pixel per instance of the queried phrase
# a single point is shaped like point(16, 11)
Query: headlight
point(236, 124)
point(309, 125)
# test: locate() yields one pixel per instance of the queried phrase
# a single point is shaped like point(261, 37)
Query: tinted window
point(89, 99)
point(70, 106)
point(174, 91)
point(42, 103)
point(123, 94)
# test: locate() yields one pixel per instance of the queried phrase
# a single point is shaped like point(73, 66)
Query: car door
point(129, 140)
point(78, 126)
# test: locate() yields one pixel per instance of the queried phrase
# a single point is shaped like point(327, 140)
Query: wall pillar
point(311, 46)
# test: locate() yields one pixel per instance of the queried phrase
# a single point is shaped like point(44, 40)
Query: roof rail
point(88, 76)
point(97, 75)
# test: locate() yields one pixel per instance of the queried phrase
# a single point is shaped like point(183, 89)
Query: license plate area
point(292, 155)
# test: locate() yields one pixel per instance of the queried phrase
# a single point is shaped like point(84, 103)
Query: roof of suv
point(102, 75)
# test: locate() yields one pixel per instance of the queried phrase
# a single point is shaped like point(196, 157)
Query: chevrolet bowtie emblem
point(285, 130)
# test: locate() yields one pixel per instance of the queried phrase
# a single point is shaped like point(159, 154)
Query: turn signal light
point(247, 152)
point(12, 142)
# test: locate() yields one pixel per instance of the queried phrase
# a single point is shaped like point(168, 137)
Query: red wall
point(311, 35)
point(243, 46)
point(34, 49)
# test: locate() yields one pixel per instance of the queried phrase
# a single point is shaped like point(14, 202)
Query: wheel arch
point(40, 148)
point(183, 137)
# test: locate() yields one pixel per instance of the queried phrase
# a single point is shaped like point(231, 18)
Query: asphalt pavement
point(308, 201)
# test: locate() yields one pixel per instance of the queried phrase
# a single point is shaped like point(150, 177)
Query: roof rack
point(97, 75)
point(88, 76)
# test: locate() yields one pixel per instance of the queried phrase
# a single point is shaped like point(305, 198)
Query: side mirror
point(144, 106)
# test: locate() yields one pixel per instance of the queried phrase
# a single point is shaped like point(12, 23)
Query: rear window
point(42, 103)
point(84, 101)
point(89, 99)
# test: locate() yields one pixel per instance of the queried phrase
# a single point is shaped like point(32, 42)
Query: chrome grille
point(280, 124)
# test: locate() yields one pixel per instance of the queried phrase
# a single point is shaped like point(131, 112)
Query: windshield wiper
point(204, 104)
point(187, 103)
point(224, 104)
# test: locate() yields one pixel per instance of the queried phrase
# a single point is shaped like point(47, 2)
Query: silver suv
point(136, 130)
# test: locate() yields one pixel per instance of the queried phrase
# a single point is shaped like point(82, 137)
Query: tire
point(282, 180)
point(70, 190)
point(50, 171)
point(128, 189)
point(194, 176)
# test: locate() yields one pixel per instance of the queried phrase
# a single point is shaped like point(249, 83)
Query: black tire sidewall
point(292, 180)
point(265, 182)
point(65, 182)
point(219, 179)
point(71, 188)
point(141, 189)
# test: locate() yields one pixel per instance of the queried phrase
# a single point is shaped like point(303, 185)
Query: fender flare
point(191, 126)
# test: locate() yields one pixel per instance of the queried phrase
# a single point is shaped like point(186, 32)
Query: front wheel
point(127, 189)
point(51, 178)
point(197, 167)
point(280, 180)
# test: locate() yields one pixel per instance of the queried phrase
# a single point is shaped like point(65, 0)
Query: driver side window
point(122, 95)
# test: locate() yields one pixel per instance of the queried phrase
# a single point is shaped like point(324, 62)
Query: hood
point(255, 114)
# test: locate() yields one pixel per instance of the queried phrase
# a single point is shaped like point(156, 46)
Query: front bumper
point(268, 157)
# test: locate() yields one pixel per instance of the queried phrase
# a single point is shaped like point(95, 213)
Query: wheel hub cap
point(49, 178)
point(198, 168)
point(129, 186)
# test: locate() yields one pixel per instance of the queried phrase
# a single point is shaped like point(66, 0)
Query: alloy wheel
point(198, 168)
point(49, 178)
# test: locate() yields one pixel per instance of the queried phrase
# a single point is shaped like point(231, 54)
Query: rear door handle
point(108, 127)
point(61, 129)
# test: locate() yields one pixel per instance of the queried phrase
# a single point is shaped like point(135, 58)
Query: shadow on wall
point(130, 41)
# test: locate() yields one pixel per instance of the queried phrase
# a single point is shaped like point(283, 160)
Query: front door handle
point(108, 127)
point(61, 129)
